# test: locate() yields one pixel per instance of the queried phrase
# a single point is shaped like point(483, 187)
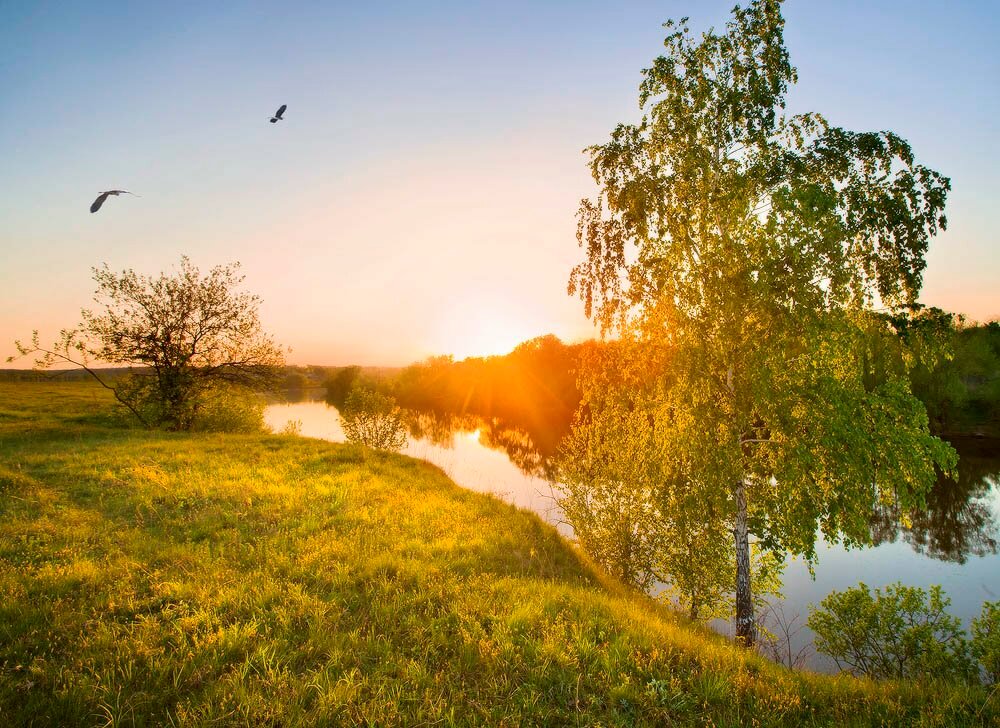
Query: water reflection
point(959, 520)
point(295, 394)
point(516, 443)
point(481, 455)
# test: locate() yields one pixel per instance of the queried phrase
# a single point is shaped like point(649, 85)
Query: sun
point(488, 336)
point(483, 330)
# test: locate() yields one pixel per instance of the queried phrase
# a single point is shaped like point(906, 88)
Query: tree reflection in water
point(961, 519)
point(531, 453)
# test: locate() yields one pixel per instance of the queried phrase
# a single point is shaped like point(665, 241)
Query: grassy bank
point(158, 579)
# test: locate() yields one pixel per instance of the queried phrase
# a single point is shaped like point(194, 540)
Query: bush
point(901, 632)
point(229, 409)
point(986, 640)
point(292, 428)
point(217, 408)
point(373, 419)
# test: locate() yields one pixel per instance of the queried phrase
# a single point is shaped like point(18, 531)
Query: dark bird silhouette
point(277, 114)
point(104, 195)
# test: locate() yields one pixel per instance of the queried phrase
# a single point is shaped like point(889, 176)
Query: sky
point(419, 197)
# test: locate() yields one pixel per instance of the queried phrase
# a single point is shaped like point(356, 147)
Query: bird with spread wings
point(104, 195)
point(277, 114)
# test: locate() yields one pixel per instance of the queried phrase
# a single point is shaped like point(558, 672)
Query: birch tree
point(760, 246)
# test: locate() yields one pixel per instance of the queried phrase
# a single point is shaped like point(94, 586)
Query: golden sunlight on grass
point(156, 578)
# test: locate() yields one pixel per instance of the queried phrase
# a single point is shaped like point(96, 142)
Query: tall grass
point(204, 579)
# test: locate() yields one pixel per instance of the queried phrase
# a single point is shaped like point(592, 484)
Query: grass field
point(165, 579)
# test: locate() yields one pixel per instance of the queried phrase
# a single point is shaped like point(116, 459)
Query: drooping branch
point(50, 356)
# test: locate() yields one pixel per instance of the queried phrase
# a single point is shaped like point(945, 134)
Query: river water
point(955, 544)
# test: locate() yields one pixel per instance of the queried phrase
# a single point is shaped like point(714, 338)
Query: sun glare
point(484, 330)
point(491, 339)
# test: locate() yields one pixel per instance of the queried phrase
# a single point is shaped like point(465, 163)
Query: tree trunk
point(745, 623)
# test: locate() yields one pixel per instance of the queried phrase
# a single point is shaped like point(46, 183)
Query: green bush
point(986, 640)
point(901, 632)
point(229, 409)
point(219, 407)
point(373, 419)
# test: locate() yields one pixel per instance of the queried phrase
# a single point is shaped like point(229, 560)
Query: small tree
point(901, 632)
point(986, 640)
point(779, 635)
point(185, 338)
point(373, 419)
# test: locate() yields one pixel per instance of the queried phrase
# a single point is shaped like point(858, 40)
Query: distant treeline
point(534, 387)
point(962, 395)
point(290, 377)
point(58, 375)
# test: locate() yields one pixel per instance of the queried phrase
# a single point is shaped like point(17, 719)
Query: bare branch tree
point(777, 633)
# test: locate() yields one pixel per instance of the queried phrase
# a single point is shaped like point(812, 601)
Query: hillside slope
point(155, 579)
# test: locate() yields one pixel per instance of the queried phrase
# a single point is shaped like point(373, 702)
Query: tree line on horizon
point(536, 388)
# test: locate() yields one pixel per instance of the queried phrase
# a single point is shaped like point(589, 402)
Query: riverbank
point(156, 578)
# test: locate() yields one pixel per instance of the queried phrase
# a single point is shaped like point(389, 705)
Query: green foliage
point(155, 578)
point(186, 335)
point(986, 640)
point(213, 407)
point(630, 508)
point(962, 394)
point(901, 632)
point(608, 478)
point(295, 380)
point(373, 419)
point(340, 383)
point(756, 245)
point(228, 408)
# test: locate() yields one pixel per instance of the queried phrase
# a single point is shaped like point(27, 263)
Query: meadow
point(154, 578)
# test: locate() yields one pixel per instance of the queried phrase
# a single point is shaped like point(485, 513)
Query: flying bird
point(277, 114)
point(104, 195)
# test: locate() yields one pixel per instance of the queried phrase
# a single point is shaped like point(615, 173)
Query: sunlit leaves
point(896, 632)
point(756, 246)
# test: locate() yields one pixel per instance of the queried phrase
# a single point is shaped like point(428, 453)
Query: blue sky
point(420, 196)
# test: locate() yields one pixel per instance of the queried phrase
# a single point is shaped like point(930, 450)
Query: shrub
point(218, 408)
point(292, 428)
point(229, 409)
point(986, 640)
point(373, 419)
point(901, 632)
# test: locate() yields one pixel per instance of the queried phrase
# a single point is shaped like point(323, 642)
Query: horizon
point(419, 196)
